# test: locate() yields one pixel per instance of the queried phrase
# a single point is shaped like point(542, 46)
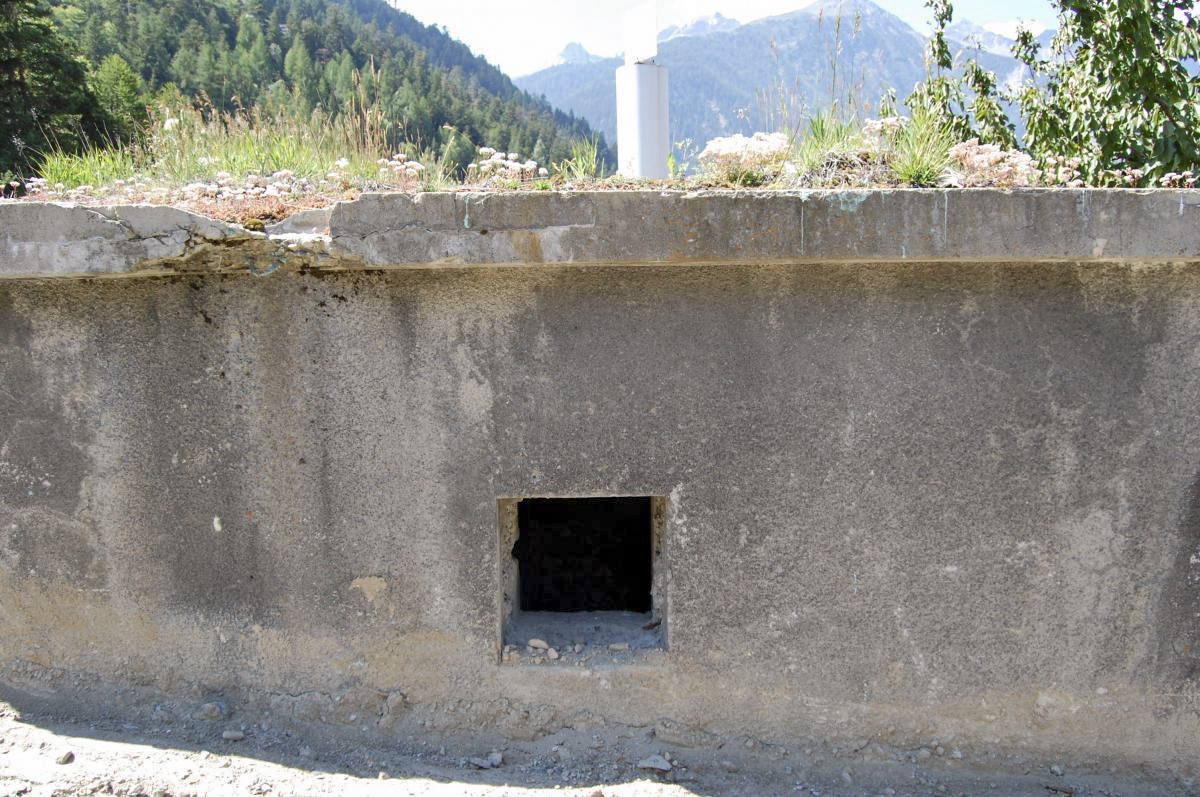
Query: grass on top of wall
point(182, 144)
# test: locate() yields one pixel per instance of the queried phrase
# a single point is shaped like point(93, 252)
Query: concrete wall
point(922, 479)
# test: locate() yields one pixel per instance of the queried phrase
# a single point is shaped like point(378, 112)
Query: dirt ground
point(49, 756)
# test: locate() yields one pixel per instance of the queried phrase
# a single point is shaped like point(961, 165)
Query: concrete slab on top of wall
point(620, 227)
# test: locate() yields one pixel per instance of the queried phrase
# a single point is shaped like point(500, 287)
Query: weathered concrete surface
point(52, 240)
point(907, 499)
point(453, 229)
point(768, 227)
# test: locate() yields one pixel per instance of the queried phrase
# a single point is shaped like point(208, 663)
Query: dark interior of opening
point(584, 554)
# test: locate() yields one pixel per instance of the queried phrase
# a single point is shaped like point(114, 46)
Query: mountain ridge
point(701, 26)
point(738, 79)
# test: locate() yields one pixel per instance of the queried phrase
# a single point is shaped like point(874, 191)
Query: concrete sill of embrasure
point(456, 230)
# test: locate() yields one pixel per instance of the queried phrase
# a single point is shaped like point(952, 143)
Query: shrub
point(1114, 95)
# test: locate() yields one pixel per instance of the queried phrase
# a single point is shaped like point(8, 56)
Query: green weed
point(94, 167)
point(437, 173)
point(584, 162)
point(828, 140)
point(921, 149)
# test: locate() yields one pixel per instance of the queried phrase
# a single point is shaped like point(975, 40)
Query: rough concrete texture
point(906, 499)
point(51, 240)
point(540, 228)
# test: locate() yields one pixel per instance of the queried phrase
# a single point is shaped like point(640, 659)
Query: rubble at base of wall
point(361, 728)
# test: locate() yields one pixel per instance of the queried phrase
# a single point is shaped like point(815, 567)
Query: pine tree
point(185, 65)
point(44, 98)
point(302, 74)
point(117, 90)
point(250, 62)
point(457, 152)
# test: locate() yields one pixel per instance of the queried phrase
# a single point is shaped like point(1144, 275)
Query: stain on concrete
point(372, 587)
point(527, 246)
point(42, 462)
point(1178, 611)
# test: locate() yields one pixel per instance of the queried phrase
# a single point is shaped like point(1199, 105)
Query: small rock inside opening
point(584, 554)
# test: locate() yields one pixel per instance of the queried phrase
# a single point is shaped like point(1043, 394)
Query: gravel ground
point(48, 756)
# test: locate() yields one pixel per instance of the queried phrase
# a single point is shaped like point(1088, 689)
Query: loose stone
point(617, 647)
point(552, 654)
point(495, 758)
point(538, 644)
point(233, 736)
point(1056, 769)
point(480, 763)
point(656, 763)
point(65, 758)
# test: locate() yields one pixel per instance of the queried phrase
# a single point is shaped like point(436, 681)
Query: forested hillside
point(332, 56)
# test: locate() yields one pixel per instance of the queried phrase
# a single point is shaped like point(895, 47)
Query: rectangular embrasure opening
point(580, 576)
point(584, 554)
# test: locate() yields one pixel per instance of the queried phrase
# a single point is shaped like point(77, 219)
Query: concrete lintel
point(379, 231)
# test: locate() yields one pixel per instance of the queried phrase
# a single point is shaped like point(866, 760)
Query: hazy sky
point(523, 36)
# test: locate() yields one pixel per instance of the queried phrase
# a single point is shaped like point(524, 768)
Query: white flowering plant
point(746, 160)
point(990, 164)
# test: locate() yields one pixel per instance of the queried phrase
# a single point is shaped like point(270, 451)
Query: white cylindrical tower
point(643, 143)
